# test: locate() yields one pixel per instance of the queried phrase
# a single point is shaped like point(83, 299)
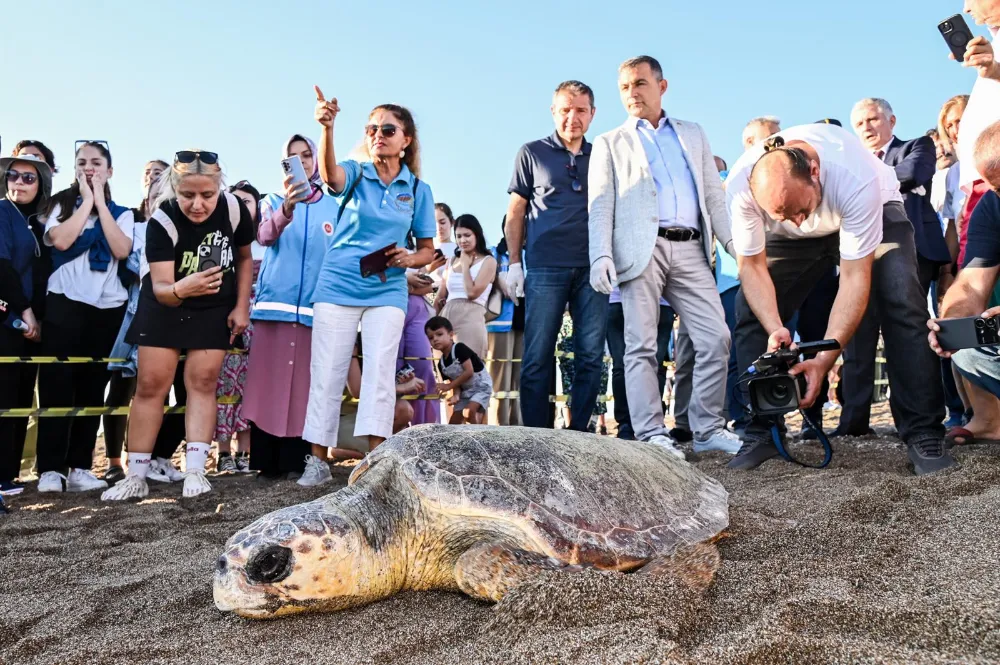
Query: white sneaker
point(317, 472)
point(163, 471)
point(51, 481)
point(132, 487)
point(722, 439)
point(82, 480)
point(667, 444)
point(195, 483)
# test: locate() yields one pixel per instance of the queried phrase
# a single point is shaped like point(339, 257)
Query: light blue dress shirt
point(676, 191)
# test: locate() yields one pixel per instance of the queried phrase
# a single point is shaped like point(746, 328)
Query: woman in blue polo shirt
point(382, 201)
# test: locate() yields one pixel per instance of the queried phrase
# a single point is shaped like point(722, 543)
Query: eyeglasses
point(241, 184)
point(23, 176)
point(574, 174)
point(188, 156)
point(388, 130)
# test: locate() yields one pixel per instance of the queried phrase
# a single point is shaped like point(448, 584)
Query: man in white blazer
point(656, 206)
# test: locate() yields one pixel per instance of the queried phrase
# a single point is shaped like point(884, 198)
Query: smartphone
point(209, 256)
point(426, 279)
point(293, 165)
point(968, 333)
point(956, 34)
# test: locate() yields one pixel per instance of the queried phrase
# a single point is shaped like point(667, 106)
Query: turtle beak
point(232, 594)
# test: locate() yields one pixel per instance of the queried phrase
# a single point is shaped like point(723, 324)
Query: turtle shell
point(580, 498)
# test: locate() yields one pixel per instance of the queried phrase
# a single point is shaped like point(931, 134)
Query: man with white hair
point(759, 129)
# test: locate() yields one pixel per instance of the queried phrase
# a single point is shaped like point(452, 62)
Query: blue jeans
point(981, 367)
point(546, 294)
point(734, 406)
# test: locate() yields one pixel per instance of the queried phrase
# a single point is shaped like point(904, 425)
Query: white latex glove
point(515, 281)
point(603, 275)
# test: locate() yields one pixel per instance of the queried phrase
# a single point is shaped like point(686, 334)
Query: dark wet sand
point(860, 563)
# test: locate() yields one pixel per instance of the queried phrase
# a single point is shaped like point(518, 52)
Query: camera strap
point(824, 441)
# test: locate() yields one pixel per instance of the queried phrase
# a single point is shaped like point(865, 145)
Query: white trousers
point(334, 334)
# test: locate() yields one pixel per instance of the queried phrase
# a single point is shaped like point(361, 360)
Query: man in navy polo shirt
point(547, 217)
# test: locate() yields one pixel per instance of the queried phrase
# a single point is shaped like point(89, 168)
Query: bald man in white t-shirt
point(806, 200)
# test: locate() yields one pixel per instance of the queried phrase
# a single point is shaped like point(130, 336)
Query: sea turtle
point(477, 509)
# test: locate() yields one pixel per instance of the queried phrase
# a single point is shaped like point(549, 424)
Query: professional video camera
point(773, 391)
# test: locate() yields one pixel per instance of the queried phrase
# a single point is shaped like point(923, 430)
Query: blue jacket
point(18, 252)
point(291, 266)
point(915, 164)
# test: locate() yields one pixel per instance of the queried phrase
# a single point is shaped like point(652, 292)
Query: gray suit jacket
point(624, 215)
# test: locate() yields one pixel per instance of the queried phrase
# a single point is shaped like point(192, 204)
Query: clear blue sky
point(237, 77)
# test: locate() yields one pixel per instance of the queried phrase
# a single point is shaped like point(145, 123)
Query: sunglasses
point(23, 176)
point(82, 142)
point(574, 174)
point(188, 156)
point(241, 184)
point(388, 130)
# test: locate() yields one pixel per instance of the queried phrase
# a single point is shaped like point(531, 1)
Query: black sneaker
point(809, 434)
point(681, 435)
point(929, 455)
point(752, 454)
point(225, 464)
point(114, 474)
point(10, 488)
point(855, 433)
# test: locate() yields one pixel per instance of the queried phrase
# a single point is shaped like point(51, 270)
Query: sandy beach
point(858, 563)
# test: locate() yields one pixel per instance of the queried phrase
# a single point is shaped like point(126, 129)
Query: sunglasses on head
point(241, 184)
point(188, 156)
point(82, 142)
point(23, 176)
point(574, 174)
point(388, 130)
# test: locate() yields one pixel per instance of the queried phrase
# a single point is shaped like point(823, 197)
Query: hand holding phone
point(292, 166)
point(956, 35)
point(964, 333)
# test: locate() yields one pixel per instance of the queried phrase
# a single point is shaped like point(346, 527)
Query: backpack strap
point(234, 210)
point(349, 194)
point(167, 224)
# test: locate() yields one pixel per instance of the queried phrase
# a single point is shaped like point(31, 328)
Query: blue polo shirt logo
point(328, 228)
point(404, 202)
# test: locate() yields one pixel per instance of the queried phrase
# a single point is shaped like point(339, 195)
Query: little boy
point(465, 373)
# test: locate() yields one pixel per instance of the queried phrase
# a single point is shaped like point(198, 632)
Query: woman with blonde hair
point(195, 297)
point(382, 200)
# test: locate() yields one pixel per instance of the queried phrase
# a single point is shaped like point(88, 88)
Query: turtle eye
point(269, 565)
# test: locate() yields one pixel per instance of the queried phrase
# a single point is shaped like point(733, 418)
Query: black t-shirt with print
point(462, 353)
point(195, 240)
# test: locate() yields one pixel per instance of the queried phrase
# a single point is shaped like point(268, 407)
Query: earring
point(402, 153)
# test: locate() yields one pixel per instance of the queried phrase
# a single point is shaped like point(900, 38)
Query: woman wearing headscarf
point(294, 228)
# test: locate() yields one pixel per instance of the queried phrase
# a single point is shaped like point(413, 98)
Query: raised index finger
point(319, 94)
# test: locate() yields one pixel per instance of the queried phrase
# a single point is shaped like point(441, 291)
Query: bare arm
point(62, 236)
point(850, 304)
point(487, 273)
point(466, 374)
point(120, 244)
point(970, 294)
point(331, 173)
point(517, 210)
point(755, 280)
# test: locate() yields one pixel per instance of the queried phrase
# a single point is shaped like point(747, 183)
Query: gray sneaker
point(226, 464)
point(242, 462)
point(317, 472)
point(721, 439)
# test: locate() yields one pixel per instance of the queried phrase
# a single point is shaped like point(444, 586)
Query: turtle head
point(298, 559)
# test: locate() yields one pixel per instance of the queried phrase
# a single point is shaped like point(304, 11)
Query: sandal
point(960, 436)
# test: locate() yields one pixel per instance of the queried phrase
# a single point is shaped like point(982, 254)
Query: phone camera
point(980, 324)
point(947, 26)
point(287, 167)
point(991, 323)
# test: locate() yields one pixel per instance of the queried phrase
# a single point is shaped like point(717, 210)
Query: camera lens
point(777, 392)
point(980, 323)
point(992, 323)
point(947, 26)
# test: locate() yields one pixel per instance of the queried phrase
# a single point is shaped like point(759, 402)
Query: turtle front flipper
point(489, 570)
point(695, 565)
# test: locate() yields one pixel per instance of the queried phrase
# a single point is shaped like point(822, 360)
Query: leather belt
point(679, 234)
